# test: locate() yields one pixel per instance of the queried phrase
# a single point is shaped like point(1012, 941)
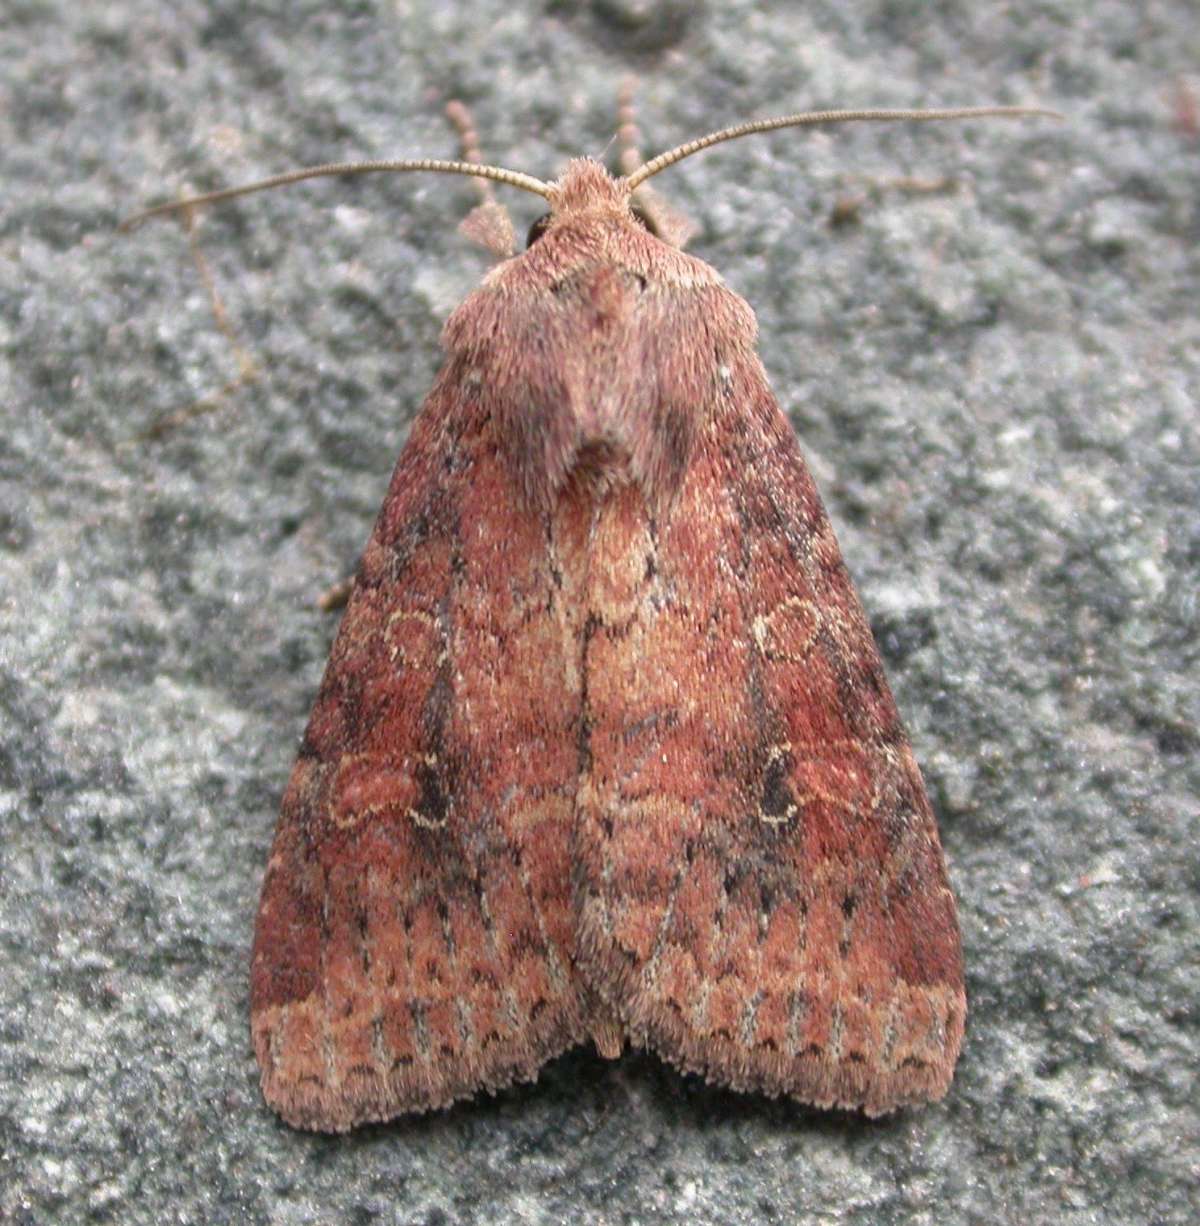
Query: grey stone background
point(995, 384)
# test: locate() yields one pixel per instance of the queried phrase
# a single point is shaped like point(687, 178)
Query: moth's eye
point(645, 218)
point(536, 230)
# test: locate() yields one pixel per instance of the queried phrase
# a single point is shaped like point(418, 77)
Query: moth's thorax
point(600, 346)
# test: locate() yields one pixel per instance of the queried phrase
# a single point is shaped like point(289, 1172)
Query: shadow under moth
point(604, 749)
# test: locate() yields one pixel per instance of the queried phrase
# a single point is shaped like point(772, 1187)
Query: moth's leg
point(668, 223)
point(488, 224)
point(468, 145)
point(336, 595)
point(247, 371)
point(629, 157)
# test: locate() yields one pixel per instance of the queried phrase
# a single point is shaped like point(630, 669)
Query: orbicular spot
point(788, 631)
point(413, 638)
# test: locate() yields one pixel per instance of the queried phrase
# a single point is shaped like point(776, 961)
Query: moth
point(604, 750)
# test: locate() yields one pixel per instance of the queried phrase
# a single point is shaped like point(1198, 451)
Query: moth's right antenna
point(812, 118)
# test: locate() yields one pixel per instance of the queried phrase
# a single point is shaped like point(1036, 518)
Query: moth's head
point(586, 193)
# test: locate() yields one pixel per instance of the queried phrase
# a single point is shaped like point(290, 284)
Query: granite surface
point(987, 336)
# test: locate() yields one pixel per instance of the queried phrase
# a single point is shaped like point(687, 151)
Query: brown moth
point(604, 749)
